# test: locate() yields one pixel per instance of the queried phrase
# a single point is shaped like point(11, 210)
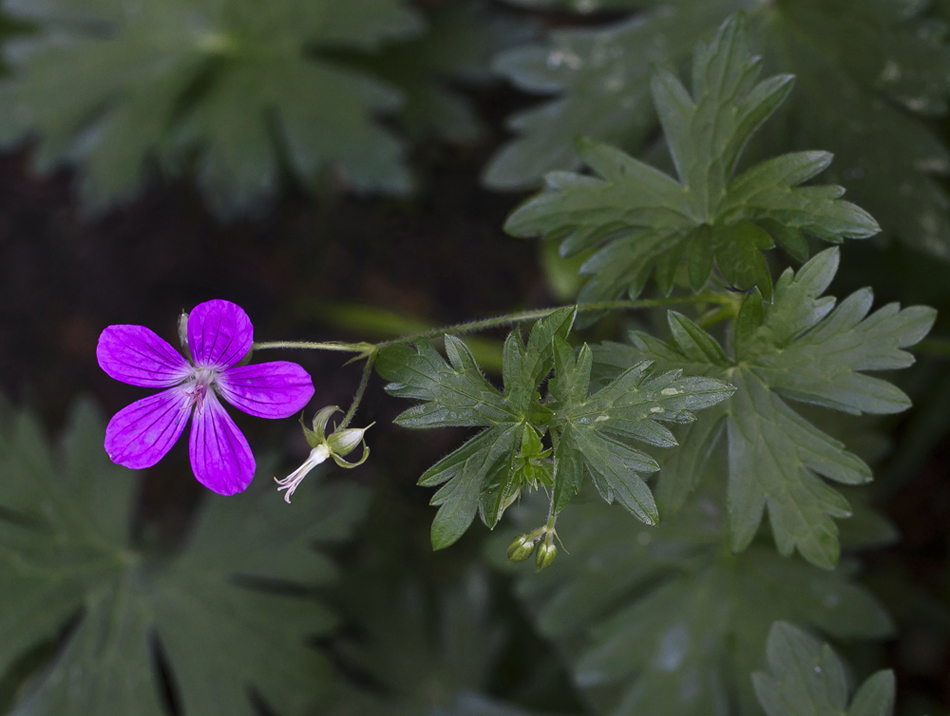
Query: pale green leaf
point(808, 679)
point(596, 428)
point(591, 433)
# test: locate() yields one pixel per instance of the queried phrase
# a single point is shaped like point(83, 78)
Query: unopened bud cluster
point(540, 543)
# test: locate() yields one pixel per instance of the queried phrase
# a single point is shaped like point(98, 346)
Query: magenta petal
point(267, 390)
point(220, 456)
point(138, 356)
point(140, 435)
point(219, 333)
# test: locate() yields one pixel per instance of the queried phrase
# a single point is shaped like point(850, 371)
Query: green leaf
point(808, 679)
point(430, 653)
point(643, 218)
point(868, 77)
point(457, 393)
point(590, 432)
point(67, 554)
point(234, 89)
point(798, 347)
point(596, 428)
point(458, 47)
point(664, 621)
point(489, 471)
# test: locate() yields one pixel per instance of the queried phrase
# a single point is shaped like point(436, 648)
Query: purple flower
point(219, 336)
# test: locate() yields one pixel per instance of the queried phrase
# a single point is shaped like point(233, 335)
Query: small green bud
point(183, 333)
point(342, 443)
point(521, 549)
point(545, 555)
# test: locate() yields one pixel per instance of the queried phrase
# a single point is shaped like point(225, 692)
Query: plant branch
point(934, 346)
point(309, 345)
point(511, 318)
point(364, 381)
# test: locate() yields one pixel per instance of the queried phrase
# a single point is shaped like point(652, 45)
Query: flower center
point(203, 381)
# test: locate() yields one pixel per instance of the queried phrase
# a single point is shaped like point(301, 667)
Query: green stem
point(364, 381)
point(506, 320)
point(934, 346)
point(511, 318)
point(308, 345)
point(717, 316)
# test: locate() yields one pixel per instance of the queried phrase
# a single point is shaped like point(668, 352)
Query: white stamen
point(318, 455)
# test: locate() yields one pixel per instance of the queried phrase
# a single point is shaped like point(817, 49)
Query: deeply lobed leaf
point(233, 88)
point(649, 220)
point(808, 678)
point(798, 347)
point(590, 433)
point(67, 555)
point(868, 75)
point(661, 621)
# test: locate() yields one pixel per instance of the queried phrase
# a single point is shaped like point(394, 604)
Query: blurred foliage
point(809, 678)
point(424, 655)
point(667, 620)
point(236, 88)
point(112, 617)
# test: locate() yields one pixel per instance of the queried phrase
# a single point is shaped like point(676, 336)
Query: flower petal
point(138, 356)
point(220, 456)
point(267, 390)
point(219, 333)
point(140, 434)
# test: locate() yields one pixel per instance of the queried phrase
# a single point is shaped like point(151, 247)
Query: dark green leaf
point(231, 85)
point(68, 555)
point(458, 48)
point(595, 428)
point(663, 621)
point(430, 653)
point(798, 347)
point(868, 75)
point(648, 219)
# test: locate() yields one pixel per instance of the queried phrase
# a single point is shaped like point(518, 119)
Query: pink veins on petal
point(220, 334)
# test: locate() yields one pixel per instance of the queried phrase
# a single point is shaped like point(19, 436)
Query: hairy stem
point(357, 399)
point(312, 346)
point(508, 319)
point(511, 318)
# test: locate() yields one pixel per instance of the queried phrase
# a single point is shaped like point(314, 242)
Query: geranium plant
point(616, 480)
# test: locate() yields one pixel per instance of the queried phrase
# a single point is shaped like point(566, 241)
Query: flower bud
point(521, 549)
point(545, 555)
point(183, 333)
point(345, 441)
